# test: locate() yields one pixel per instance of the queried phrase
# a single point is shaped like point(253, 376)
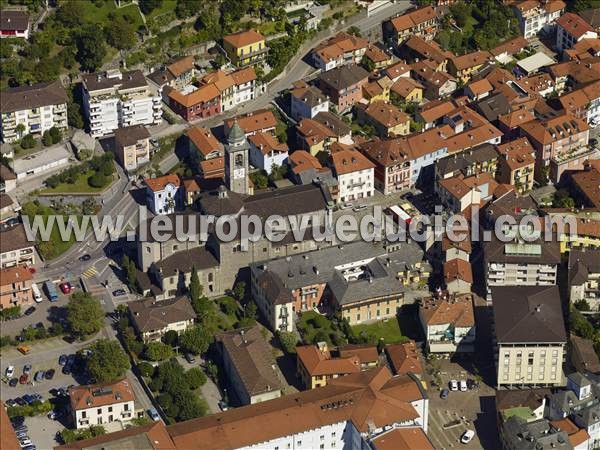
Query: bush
point(47, 139)
point(157, 351)
point(97, 180)
point(28, 141)
point(35, 409)
point(10, 313)
point(55, 134)
point(146, 369)
point(69, 436)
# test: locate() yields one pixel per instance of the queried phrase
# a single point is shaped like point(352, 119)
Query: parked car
point(85, 257)
point(39, 375)
point(444, 394)
point(24, 443)
point(20, 401)
point(24, 348)
point(28, 399)
point(453, 384)
point(346, 205)
point(119, 293)
point(23, 379)
point(49, 374)
point(190, 358)
point(13, 382)
point(65, 287)
point(10, 371)
point(467, 436)
point(463, 385)
point(223, 406)
point(29, 311)
point(62, 360)
point(153, 413)
point(66, 369)
point(26, 369)
point(37, 397)
point(10, 402)
point(358, 208)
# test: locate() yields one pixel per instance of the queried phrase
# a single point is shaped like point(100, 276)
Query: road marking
point(89, 273)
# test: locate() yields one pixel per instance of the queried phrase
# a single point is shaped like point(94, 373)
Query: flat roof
point(35, 160)
point(535, 62)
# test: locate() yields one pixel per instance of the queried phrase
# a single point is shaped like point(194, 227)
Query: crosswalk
point(89, 273)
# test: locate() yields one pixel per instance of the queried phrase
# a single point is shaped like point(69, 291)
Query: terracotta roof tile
point(204, 140)
point(103, 394)
point(159, 183)
point(12, 275)
point(457, 310)
point(458, 269)
point(243, 38)
point(348, 161)
point(574, 25)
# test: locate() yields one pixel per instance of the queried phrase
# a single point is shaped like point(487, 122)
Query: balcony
point(570, 155)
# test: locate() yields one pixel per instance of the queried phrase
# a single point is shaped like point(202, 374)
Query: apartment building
point(377, 57)
point(339, 50)
point(14, 24)
point(448, 323)
point(571, 29)
point(15, 287)
point(354, 172)
point(100, 404)
point(537, 15)
point(560, 144)
point(266, 151)
point(418, 49)
point(437, 84)
point(362, 280)
point(249, 365)
point(584, 103)
point(386, 118)
point(476, 160)
point(195, 102)
point(152, 319)
point(8, 180)
point(422, 22)
point(530, 336)
point(37, 108)
point(516, 164)
point(392, 162)
point(407, 90)
point(115, 99)
point(307, 101)
point(316, 364)
point(177, 75)
point(132, 146)
point(15, 248)
point(465, 66)
point(246, 47)
point(259, 121)
point(584, 276)
point(343, 85)
point(164, 195)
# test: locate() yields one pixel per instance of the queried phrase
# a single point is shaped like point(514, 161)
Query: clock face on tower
point(239, 173)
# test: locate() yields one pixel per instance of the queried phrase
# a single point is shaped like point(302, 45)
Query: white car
point(10, 371)
point(453, 385)
point(467, 436)
point(463, 386)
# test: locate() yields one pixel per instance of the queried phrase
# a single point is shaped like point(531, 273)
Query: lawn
point(267, 28)
point(80, 185)
point(100, 14)
point(389, 330)
point(165, 7)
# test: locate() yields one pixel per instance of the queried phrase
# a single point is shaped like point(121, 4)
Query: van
point(37, 295)
point(24, 349)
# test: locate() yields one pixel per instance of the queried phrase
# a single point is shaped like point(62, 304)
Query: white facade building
point(37, 108)
point(538, 15)
point(116, 99)
point(307, 102)
point(355, 175)
point(102, 403)
point(164, 195)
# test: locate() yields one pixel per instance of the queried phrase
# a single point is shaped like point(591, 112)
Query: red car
point(65, 287)
point(24, 379)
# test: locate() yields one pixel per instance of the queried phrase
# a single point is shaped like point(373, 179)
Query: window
point(99, 411)
point(83, 414)
point(126, 407)
point(110, 409)
point(358, 317)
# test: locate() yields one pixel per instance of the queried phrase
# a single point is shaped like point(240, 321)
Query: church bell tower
point(236, 161)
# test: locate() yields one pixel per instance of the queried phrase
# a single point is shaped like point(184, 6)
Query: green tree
point(47, 139)
point(20, 129)
point(170, 338)
point(107, 362)
point(84, 314)
point(91, 49)
point(190, 407)
point(28, 141)
point(146, 369)
point(259, 179)
point(55, 134)
point(157, 351)
point(120, 34)
point(288, 341)
point(97, 180)
point(195, 286)
point(195, 377)
point(239, 291)
point(582, 305)
point(250, 310)
point(147, 6)
point(195, 340)
point(355, 31)
point(69, 435)
point(130, 271)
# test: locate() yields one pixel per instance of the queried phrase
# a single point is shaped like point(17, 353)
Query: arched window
point(239, 161)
